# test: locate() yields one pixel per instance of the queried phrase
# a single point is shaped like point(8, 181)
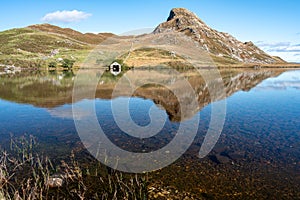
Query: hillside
point(36, 45)
point(86, 38)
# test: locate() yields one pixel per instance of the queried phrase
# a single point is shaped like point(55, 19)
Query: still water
point(256, 155)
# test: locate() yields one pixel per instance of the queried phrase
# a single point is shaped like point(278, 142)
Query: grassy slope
point(31, 46)
point(28, 48)
point(87, 38)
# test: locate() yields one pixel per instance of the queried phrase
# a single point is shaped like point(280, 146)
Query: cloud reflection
point(65, 112)
point(285, 81)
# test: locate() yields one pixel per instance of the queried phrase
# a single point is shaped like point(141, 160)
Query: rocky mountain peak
point(180, 12)
point(181, 18)
point(221, 46)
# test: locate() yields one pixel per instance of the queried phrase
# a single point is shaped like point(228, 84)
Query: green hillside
point(38, 45)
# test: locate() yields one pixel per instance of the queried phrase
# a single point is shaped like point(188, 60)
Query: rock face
point(220, 45)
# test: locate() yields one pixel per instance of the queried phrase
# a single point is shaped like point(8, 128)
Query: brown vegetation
point(88, 38)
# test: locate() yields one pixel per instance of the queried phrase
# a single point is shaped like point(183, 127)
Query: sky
point(272, 25)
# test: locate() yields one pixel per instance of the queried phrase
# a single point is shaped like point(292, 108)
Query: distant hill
point(87, 38)
point(34, 45)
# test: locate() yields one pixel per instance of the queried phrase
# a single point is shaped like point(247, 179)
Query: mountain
point(222, 47)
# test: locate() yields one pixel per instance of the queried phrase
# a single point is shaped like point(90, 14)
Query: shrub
point(67, 63)
point(52, 65)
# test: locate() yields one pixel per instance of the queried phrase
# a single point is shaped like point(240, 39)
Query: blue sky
point(272, 25)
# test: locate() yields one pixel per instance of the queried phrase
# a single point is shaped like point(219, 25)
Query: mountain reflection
point(53, 89)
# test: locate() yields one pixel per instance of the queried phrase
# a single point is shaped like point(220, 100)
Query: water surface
point(257, 154)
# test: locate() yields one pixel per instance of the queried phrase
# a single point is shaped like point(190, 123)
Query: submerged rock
point(55, 181)
point(223, 159)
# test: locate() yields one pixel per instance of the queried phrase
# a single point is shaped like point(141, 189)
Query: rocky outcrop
point(220, 45)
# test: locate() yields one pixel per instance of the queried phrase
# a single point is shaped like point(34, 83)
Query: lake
point(240, 141)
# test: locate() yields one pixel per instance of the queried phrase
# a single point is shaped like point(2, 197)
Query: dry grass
point(152, 57)
point(31, 48)
point(24, 174)
point(88, 38)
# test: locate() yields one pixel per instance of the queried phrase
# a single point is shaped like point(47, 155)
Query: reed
point(26, 174)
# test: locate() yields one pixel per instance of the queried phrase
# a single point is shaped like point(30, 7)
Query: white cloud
point(138, 31)
point(272, 44)
point(67, 113)
point(290, 79)
point(66, 16)
point(286, 50)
